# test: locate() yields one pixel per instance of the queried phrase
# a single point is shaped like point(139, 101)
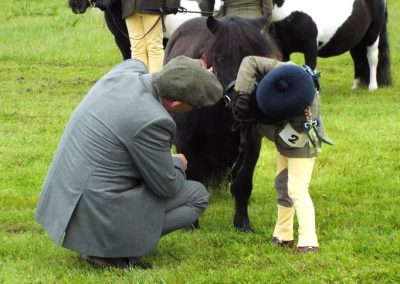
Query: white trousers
point(146, 37)
point(291, 183)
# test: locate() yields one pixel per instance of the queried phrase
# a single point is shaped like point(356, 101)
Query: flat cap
point(184, 79)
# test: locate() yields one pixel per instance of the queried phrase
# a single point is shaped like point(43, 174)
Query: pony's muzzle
point(78, 6)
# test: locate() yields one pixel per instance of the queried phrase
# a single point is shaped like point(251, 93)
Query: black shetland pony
point(328, 28)
point(205, 136)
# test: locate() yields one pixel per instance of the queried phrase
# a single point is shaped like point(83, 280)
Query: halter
point(228, 89)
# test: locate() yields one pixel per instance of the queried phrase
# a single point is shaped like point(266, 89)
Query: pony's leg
point(359, 56)
point(117, 26)
point(311, 61)
point(372, 55)
point(356, 83)
point(242, 184)
point(311, 54)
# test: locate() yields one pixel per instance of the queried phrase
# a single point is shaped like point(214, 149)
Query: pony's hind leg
point(242, 183)
point(372, 55)
point(365, 60)
point(359, 56)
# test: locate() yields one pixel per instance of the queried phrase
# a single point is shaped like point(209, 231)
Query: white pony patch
point(218, 4)
point(172, 22)
point(328, 15)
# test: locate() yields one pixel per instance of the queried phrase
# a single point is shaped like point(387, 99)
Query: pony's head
point(234, 38)
point(80, 6)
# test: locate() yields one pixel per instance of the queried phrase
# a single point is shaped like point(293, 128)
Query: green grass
point(50, 57)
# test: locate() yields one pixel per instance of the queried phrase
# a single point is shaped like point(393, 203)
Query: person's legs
point(152, 25)
point(136, 33)
point(300, 171)
point(185, 208)
point(181, 211)
point(283, 232)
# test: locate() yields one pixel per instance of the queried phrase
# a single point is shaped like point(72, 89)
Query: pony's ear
point(212, 24)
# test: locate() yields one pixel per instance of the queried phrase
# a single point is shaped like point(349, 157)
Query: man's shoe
point(138, 262)
point(117, 262)
point(305, 250)
point(282, 243)
point(105, 261)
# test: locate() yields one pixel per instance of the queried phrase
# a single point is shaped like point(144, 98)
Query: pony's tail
point(384, 76)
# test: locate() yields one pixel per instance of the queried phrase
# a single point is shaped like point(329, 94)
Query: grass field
point(50, 57)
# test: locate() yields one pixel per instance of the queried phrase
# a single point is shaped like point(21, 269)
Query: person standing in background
point(144, 21)
point(247, 9)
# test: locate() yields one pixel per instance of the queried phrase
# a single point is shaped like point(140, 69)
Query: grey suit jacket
point(112, 169)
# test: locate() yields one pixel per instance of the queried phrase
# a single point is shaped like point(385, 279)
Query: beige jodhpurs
point(291, 183)
point(146, 37)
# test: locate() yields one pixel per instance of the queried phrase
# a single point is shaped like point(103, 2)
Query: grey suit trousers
point(186, 207)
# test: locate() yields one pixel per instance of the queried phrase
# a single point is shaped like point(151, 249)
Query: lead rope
point(244, 132)
point(242, 126)
point(311, 130)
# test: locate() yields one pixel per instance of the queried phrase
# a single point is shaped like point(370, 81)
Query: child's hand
point(241, 107)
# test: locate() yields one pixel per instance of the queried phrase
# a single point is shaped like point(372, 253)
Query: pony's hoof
point(245, 229)
point(372, 88)
point(356, 84)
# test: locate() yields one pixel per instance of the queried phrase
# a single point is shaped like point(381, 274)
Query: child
point(285, 104)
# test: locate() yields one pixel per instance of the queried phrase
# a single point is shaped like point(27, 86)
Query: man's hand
point(168, 10)
point(183, 159)
point(241, 107)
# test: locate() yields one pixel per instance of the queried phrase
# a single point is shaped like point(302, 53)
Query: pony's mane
point(236, 38)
